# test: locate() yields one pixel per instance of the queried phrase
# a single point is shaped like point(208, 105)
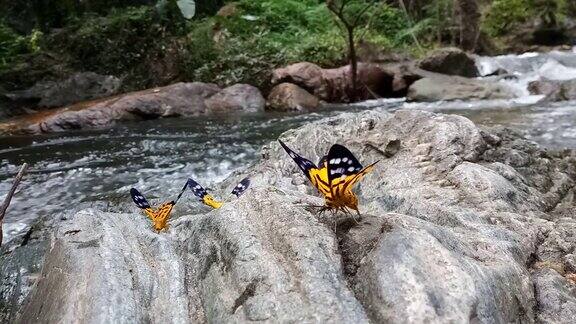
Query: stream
point(157, 156)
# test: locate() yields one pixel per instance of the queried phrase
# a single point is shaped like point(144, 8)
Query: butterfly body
point(158, 216)
point(208, 199)
point(334, 177)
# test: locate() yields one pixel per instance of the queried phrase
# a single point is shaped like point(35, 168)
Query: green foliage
point(387, 24)
point(122, 43)
point(13, 45)
point(505, 14)
point(264, 35)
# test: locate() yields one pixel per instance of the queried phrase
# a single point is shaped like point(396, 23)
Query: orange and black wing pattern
point(160, 216)
point(344, 171)
point(201, 193)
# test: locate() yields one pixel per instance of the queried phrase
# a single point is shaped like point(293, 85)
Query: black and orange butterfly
point(208, 200)
point(334, 177)
point(159, 216)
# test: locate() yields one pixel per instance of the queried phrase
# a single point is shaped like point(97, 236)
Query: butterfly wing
point(344, 169)
point(322, 161)
point(241, 187)
point(201, 193)
point(139, 199)
point(318, 176)
point(196, 188)
point(304, 164)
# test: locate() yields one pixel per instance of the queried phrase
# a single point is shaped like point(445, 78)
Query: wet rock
point(556, 297)
point(450, 61)
point(21, 261)
point(79, 87)
point(335, 85)
point(181, 99)
point(239, 97)
point(404, 75)
point(456, 88)
point(113, 263)
point(498, 72)
point(290, 97)
point(454, 219)
point(554, 90)
point(225, 266)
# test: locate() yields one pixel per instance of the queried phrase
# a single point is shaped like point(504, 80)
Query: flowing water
point(158, 156)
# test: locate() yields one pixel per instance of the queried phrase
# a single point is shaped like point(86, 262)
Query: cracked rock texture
point(458, 225)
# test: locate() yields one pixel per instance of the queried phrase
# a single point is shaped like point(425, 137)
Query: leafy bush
point(116, 44)
point(13, 45)
point(504, 14)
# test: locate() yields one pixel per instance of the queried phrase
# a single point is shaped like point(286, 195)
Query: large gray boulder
point(179, 99)
point(237, 98)
point(554, 90)
point(450, 61)
point(458, 225)
point(335, 85)
point(445, 88)
point(290, 97)
point(79, 87)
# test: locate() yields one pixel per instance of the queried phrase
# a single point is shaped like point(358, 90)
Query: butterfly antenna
point(181, 193)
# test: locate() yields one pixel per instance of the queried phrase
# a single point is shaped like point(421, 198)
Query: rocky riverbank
point(447, 74)
point(459, 224)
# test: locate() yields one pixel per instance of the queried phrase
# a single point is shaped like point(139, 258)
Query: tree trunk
point(469, 20)
point(353, 63)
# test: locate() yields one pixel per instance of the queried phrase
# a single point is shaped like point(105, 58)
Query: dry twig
point(9, 196)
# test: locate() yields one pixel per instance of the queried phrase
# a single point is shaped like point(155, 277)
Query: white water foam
point(528, 67)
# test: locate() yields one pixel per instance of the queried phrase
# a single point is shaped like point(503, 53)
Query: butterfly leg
point(354, 218)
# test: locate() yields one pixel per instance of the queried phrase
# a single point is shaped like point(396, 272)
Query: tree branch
point(9, 196)
point(362, 12)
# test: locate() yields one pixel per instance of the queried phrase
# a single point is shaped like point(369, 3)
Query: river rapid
point(157, 156)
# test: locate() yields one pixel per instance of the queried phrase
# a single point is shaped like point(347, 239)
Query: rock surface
point(450, 61)
point(79, 87)
point(290, 97)
point(441, 87)
point(459, 225)
point(239, 97)
point(554, 90)
point(335, 85)
point(180, 99)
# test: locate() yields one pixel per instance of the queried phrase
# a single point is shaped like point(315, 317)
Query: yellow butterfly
point(208, 200)
point(159, 216)
point(334, 177)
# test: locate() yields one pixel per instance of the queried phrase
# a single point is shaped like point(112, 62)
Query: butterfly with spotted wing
point(208, 200)
point(334, 177)
point(159, 216)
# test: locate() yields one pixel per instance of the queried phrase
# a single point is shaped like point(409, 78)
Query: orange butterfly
point(208, 199)
point(159, 216)
point(334, 177)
